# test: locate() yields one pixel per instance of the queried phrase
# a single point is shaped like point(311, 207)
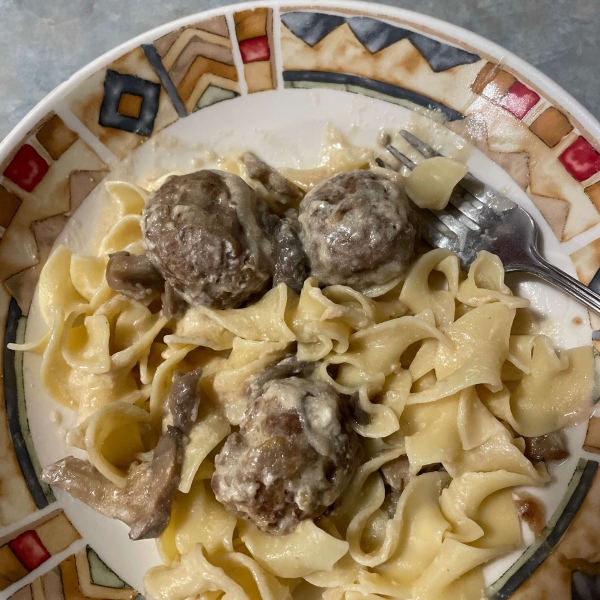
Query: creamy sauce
point(277, 149)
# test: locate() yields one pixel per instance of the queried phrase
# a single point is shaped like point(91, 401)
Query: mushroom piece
point(290, 261)
point(432, 468)
point(201, 231)
point(396, 473)
point(285, 192)
point(144, 504)
point(357, 230)
point(289, 258)
point(133, 276)
point(287, 367)
point(184, 399)
point(552, 446)
point(292, 458)
point(390, 503)
point(173, 305)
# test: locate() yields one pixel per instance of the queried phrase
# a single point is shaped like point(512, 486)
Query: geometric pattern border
point(365, 85)
point(376, 35)
point(16, 410)
point(78, 577)
point(534, 556)
point(191, 69)
point(27, 548)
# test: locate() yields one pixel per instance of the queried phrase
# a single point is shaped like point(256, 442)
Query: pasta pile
point(434, 367)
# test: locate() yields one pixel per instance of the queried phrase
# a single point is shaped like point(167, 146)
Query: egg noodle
point(434, 367)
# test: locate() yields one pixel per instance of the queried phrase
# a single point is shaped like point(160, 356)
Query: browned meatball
point(202, 233)
point(357, 230)
point(295, 453)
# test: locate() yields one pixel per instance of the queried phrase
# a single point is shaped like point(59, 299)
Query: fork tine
point(465, 207)
point(384, 165)
point(485, 194)
point(472, 223)
point(452, 223)
point(430, 232)
point(422, 147)
point(435, 237)
point(481, 214)
point(401, 157)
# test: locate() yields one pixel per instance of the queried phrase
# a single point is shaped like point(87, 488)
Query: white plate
point(285, 126)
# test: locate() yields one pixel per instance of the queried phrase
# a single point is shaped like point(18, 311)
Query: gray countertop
point(43, 42)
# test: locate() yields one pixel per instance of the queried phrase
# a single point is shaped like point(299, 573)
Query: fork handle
point(548, 272)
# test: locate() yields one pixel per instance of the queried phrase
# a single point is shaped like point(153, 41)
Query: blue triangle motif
point(376, 35)
point(594, 284)
point(441, 57)
point(310, 27)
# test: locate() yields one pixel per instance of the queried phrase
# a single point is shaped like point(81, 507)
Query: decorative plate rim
point(535, 76)
point(49, 114)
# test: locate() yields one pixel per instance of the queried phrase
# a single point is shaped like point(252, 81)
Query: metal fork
point(480, 218)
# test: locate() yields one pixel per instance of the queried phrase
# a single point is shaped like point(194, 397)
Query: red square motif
point(519, 100)
point(581, 159)
point(29, 550)
point(27, 168)
point(254, 50)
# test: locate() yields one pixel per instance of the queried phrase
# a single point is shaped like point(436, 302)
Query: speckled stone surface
point(43, 42)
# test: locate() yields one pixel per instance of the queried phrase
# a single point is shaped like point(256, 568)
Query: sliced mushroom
point(432, 468)
point(133, 276)
point(396, 473)
point(144, 503)
point(184, 399)
point(274, 182)
point(552, 446)
point(390, 503)
point(285, 368)
point(173, 305)
point(290, 261)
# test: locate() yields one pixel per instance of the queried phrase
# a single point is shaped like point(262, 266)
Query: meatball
point(357, 230)
point(201, 231)
point(293, 456)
